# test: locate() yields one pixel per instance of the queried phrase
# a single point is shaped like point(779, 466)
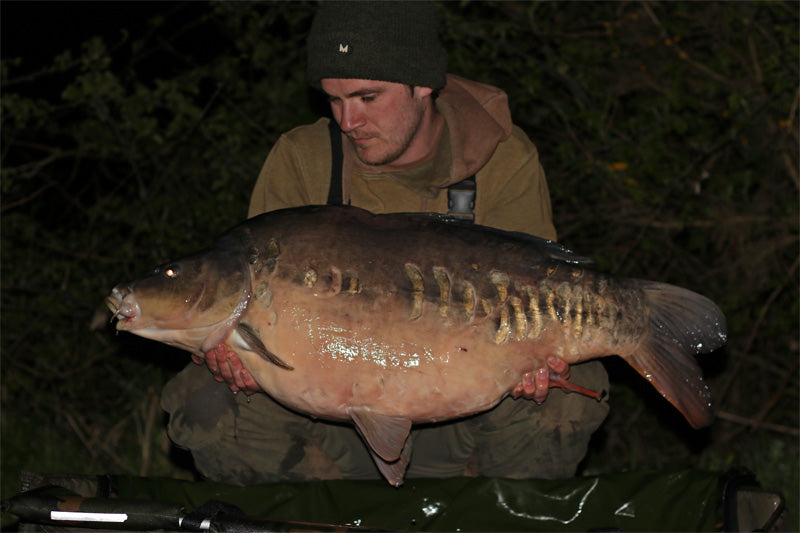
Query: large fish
point(390, 320)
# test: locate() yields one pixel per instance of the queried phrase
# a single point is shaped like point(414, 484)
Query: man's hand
point(535, 385)
point(226, 366)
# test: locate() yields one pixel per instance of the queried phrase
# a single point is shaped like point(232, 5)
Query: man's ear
point(422, 92)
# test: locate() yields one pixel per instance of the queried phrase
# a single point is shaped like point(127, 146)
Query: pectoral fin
point(387, 440)
point(253, 343)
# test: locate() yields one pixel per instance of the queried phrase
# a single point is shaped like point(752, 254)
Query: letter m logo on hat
point(344, 48)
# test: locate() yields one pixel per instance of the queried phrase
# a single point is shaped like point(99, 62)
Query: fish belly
point(347, 356)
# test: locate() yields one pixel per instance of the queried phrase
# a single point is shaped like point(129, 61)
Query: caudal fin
point(682, 324)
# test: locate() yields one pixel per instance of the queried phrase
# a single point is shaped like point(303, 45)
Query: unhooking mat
point(685, 500)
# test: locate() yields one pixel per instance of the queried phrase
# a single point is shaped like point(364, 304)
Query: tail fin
point(683, 324)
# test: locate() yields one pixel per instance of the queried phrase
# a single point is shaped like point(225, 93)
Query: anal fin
point(394, 471)
point(387, 439)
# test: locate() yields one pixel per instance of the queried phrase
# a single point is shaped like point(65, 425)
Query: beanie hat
point(385, 41)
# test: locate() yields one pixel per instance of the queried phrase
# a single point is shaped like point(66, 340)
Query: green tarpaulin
point(684, 500)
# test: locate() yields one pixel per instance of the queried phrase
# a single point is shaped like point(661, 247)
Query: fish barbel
point(385, 321)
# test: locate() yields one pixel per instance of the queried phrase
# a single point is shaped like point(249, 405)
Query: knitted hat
point(386, 41)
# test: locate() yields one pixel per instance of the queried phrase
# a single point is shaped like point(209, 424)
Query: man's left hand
point(536, 385)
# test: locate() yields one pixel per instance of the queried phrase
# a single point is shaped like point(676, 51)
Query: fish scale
point(519, 316)
point(386, 321)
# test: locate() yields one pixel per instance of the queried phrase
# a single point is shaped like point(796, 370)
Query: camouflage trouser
point(241, 440)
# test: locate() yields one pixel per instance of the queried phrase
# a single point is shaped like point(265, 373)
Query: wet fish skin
point(389, 320)
point(201, 295)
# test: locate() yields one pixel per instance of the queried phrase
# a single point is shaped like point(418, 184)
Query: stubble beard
point(397, 141)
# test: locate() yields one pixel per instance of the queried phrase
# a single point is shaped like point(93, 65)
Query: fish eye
point(172, 271)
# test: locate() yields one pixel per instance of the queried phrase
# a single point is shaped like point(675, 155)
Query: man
point(406, 133)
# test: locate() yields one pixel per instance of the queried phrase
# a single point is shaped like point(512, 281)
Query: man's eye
point(368, 98)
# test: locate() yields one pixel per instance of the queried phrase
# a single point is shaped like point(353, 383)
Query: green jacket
point(479, 139)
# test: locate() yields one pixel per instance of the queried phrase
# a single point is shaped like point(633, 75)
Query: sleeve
point(296, 171)
point(512, 192)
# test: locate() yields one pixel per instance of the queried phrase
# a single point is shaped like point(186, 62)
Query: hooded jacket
point(479, 138)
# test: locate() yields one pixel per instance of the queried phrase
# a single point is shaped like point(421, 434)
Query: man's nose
point(352, 118)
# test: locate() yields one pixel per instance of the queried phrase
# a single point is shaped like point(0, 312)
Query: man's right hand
point(226, 367)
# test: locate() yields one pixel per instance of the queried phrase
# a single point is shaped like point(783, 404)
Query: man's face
point(381, 119)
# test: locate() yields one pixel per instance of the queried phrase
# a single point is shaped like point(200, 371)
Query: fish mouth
point(123, 306)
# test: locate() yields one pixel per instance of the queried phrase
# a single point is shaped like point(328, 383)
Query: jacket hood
point(477, 118)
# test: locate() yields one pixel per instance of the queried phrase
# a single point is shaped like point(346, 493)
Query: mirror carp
point(385, 321)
